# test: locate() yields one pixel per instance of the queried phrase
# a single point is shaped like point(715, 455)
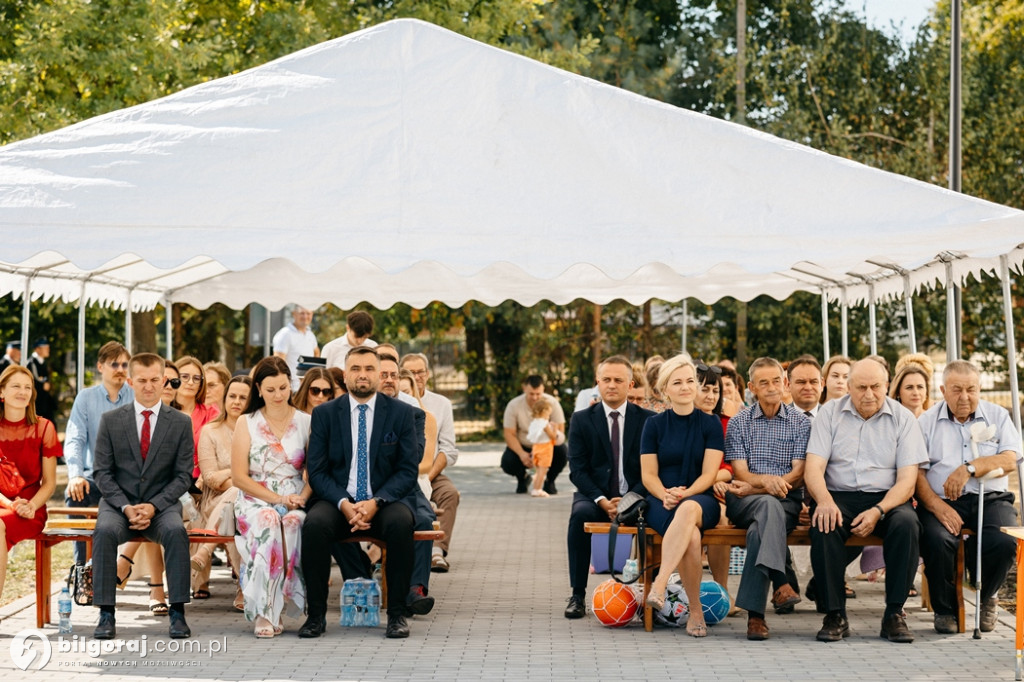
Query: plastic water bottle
point(378, 573)
point(372, 619)
point(281, 509)
point(64, 609)
point(631, 570)
point(361, 602)
point(348, 604)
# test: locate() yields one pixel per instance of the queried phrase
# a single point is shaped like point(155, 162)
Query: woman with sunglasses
point(317, 388)
point(218, 501)
point(172, 383)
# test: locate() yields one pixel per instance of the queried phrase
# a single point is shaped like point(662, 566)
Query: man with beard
point(362, 461)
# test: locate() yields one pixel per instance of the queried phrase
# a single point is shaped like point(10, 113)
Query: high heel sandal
point(122, 581)
point(156, 606)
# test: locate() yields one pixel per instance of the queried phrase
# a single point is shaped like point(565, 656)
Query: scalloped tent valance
point(407, 163)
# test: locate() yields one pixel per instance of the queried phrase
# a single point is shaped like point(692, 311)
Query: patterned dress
point(270, 545)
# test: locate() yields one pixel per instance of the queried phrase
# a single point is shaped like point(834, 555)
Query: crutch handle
point(995, 473)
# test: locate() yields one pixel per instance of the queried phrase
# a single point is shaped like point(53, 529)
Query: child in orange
point(542, 433)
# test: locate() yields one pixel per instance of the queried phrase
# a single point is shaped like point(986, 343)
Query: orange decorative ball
point(614, 604)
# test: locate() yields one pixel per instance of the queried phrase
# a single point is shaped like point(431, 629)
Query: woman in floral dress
point(268, 458)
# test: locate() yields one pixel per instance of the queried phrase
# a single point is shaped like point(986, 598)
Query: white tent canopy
point(407, 163)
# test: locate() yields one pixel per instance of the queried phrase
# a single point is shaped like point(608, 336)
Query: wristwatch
point(971, 470)
point(380, 502)
point(880, 511)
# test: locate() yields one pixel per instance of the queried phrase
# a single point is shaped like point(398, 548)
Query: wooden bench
point(737, 537)
point(80, 530)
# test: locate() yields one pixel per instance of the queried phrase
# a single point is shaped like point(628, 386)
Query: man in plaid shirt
point(766, 444)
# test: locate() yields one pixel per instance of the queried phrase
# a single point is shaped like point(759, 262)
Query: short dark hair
point(806, 359)
point(111, 351)
point(362, 350)
point(388, 356)
point(618, 360)
point(267, 367)
point(534, 381)
point(360, 323)
point(145, 360)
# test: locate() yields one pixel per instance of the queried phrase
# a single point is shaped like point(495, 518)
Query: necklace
point(279, 426)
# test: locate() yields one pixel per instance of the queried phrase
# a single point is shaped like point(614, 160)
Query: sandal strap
point(126, 558)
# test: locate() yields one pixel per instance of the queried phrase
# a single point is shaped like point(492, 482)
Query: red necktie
point(144, 440)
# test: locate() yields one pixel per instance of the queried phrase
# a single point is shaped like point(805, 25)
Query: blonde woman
point(681, 453)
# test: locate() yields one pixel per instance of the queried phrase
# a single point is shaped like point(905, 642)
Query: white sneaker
point(538, 492)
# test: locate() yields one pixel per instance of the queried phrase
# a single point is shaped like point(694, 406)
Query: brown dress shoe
point(757, 629)
point(784, 599)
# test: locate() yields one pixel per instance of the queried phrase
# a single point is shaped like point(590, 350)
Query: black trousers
point(583, 511)
point(513, 466)
point(938, 548)
point(900, 532)
point(325, 524)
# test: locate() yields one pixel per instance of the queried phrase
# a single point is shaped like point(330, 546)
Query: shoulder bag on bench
point(80, 584)
point(631, 511)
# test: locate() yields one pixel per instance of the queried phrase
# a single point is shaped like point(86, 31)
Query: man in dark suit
point(362, 462)
point(604, 464)
point(143, 465)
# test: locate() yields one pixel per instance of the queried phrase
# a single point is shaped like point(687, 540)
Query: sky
point(882, 13)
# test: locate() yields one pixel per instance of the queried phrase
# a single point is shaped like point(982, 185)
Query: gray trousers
point(768, 521)
point(165, 528)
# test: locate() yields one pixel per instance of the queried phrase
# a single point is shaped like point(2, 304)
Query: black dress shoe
point(577, 608)
point(522, 484)
point(178, 628)
point(549, 488)
point(106, 628)
point(398, 628)
point(418, 603)
point(833, 628)
point(894, 629)
point(313, 627)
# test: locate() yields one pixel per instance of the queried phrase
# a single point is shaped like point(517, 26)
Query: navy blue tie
point(362, 458)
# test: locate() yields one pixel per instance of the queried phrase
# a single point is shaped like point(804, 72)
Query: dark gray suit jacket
point(121, 475)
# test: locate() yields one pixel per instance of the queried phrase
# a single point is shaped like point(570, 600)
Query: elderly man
point(766, 444)
point(295, 339)
point(604, 464)
point(948, 493)
point(517, 457)
point(862, 464)
point(443, 492)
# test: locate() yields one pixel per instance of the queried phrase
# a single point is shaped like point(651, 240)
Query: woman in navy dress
point(681, 452)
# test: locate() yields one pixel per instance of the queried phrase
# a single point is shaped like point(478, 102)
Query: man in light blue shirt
point(84, 425)
point(947, 489)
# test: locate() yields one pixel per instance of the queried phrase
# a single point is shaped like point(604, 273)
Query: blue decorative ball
point(714, 602)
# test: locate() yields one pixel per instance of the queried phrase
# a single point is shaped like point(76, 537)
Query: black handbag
point(80, 584)
point(630, 512)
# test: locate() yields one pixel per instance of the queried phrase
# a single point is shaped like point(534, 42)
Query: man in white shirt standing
point(443, 491)
point(296, 339)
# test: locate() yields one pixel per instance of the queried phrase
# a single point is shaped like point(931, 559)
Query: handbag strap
point(641, 538)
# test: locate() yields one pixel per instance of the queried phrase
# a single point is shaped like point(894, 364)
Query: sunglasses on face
point(316, 391)
point(118, 365)
point(173, 383)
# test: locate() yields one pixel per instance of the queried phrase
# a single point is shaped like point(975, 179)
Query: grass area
point(21, 569)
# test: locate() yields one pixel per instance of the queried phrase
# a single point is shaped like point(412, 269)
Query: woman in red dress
point(30, 442)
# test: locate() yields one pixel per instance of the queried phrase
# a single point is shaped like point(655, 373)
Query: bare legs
point(681, 549)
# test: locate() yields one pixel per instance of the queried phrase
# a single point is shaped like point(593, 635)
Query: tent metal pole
point(128, 323)
point(872, 319)
point(908, 300)
point(951, 344)
point(80, 360)
point(169, 329)
point(1011, 358)
point(683, 328)
point(824, 321)
point(266, 333)
point(845, 324)
point(26, 314)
